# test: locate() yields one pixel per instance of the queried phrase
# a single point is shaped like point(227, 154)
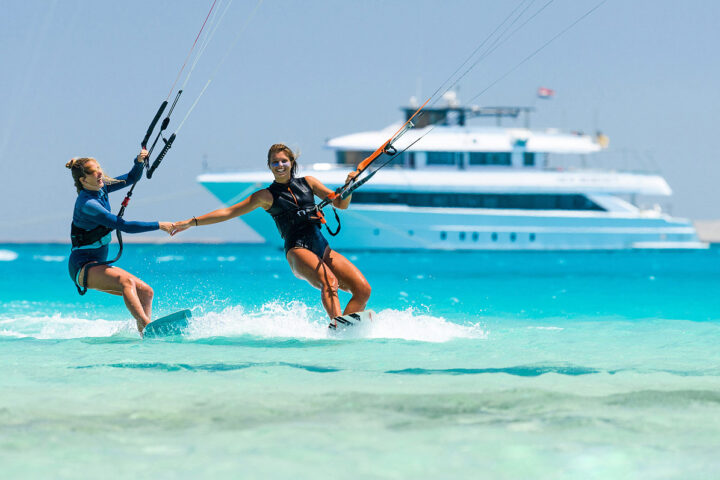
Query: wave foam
point(297, 320)
point(169, 258)
point(49, 258)
point(8, 256)
point(56, 326)
point(272, 320)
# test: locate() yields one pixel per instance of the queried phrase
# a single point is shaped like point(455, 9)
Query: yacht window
point(478, 200)
point(437, 116)
point(351, 157)
point(528, 159)
point(489, 158)
point(443, 158)
point(401, 159)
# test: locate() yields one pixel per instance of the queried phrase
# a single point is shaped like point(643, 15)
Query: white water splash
point(273, 320)
point(169, 258)
point(59, 327)
point(49, 258)
point(409, 324)
point(8, 255)
point(297, 320)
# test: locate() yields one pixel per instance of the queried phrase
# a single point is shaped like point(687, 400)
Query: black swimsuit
point(293, 210)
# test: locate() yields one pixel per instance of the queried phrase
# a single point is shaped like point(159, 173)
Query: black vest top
point(293, 207)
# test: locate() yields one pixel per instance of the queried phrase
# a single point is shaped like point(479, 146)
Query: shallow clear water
point(494, 365)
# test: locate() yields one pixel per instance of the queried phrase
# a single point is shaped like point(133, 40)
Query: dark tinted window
point(351, 157)
point(355, 157)
point(443, 158)
point(489, 158)
point(479, 200)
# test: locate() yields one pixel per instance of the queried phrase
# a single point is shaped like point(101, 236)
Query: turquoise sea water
point(478, 365)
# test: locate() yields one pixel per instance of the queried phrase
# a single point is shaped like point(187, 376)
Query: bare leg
point(307, 266)
point(137, 294)
point(350, 280)
point(145, 294)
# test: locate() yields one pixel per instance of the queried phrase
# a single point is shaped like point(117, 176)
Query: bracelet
point(196, 223)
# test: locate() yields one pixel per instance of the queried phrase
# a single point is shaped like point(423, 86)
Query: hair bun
point(71, 163)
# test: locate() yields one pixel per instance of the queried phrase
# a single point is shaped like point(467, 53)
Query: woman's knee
point(363, 290)
point(132, 282)
point(127, 281)
point(145, 289)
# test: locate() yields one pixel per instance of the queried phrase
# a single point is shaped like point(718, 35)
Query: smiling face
point(93, 179)
point(281, 166)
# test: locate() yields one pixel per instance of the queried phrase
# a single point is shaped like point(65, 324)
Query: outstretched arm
point(262, 198)
point(322, 191)
point(94, 209)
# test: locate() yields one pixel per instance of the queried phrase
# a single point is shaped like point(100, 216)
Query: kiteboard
point(342, 322)
point(173, 324)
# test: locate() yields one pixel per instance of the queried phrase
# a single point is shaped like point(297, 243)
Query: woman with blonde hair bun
point(91, 229)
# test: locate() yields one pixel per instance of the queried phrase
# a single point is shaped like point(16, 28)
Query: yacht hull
point(400, 227)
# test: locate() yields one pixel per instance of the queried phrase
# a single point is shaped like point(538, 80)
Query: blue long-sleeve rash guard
point(92, 208)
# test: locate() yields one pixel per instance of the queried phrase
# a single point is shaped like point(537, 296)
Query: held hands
point(167, 227)
point(174, 228)
point(181, 226)
point(142, 156)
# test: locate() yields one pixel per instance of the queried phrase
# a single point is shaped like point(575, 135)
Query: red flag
point(544, 92)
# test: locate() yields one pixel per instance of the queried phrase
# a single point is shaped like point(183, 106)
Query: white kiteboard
point(173, 324)
point(351, 320)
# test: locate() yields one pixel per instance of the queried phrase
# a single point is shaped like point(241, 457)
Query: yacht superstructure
point(480, 188)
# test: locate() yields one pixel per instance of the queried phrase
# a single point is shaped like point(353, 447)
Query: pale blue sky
point(85, 78)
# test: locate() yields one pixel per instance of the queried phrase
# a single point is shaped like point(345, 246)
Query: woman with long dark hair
point(291, 202)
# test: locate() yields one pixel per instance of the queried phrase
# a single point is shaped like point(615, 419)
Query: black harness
point(82, 238)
